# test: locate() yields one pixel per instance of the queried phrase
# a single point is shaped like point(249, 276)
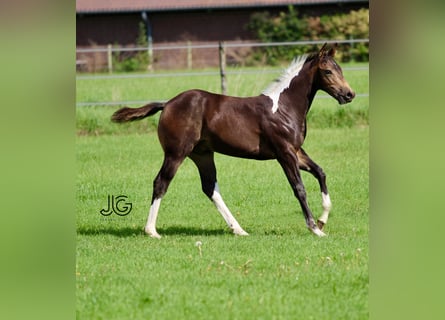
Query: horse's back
point(224, 124)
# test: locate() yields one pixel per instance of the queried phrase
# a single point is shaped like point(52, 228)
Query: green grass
point(164, 88)
point(280, 271)
point(325, 112)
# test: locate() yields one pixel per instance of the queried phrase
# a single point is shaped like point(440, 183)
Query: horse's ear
point(331, 51)
point(322, 51)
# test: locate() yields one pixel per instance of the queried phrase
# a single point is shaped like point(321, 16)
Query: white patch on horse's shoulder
point(274, 97)
point(274, 90)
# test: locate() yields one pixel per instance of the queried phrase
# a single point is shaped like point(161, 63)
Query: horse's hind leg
point(207, 172)
point(160, 186)
point(290, 163)
point(307, 164)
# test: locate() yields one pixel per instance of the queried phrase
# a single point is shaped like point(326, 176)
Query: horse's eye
point(327, 72)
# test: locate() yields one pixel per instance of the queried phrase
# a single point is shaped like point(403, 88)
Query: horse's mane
point(281, 83)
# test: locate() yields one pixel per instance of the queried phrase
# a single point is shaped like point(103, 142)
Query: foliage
point(285, 27)
point(290, 26)
point(127, 62)
point(354, 25)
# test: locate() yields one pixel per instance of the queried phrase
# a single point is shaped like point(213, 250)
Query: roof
point(109, 6)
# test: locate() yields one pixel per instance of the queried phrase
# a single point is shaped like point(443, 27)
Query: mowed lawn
point(280, 271)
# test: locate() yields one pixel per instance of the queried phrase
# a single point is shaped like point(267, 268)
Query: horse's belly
point(243, 148)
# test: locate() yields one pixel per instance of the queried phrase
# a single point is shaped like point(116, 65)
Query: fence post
point(222, 67)
point(150, 56)
point(351, 47)
point(110, 59)
point(189, 55)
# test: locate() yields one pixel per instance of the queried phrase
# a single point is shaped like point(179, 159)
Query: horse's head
point(331, 77)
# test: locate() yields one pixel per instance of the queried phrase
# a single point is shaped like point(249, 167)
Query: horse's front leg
point(207, 172)
point(289, 162)
point(307, 164)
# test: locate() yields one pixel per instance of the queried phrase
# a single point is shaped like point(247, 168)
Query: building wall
point(178, 27)
point(104, 29)
point(166, 27)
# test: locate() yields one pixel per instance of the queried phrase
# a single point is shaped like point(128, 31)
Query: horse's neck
point(301, 93)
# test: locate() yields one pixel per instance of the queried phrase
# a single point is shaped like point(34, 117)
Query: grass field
point(280, 271)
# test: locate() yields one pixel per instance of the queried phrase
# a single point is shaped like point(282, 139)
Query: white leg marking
point(318, 232)
point(150, 227)
point(274, 97)
point(327, 205)
point(226, 214)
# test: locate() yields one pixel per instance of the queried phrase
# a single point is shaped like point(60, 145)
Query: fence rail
point(222, 72)
point(187, 74)
point(216, 45)
point(180, 55)
point(142, 102)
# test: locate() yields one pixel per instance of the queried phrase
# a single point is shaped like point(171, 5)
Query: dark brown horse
point(196, 124)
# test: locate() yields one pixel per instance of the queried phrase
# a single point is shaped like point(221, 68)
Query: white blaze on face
point(276, 88)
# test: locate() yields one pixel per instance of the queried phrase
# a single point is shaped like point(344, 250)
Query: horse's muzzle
point(346, 98)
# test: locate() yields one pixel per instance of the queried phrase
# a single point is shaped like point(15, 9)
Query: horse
point(272, 125)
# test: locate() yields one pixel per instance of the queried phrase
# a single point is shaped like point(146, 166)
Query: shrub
point(127, 62)
point(290, 26)
point(285, 27)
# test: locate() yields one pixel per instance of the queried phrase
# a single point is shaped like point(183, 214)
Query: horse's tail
point(130, 114)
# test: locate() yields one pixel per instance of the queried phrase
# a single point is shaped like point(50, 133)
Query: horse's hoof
point(240, 232)
point(320, 224)
point(318, 232)
point(152, 233)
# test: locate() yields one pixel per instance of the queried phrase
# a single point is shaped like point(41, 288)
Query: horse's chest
point(288, 131)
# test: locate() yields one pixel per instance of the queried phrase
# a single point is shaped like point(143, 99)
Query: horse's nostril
point(350, 94)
